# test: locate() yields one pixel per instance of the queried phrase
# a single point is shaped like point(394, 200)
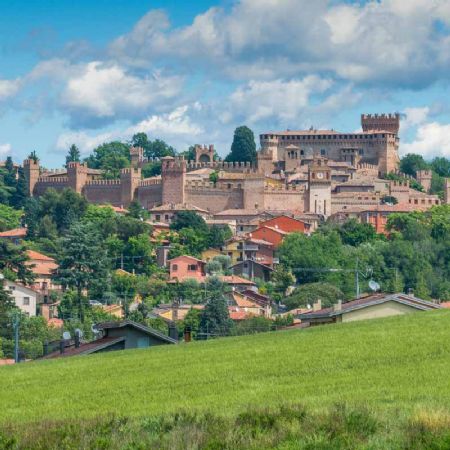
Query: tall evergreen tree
point(83, 263)
point(73, 155)
point(20, 194)
point(243, 148)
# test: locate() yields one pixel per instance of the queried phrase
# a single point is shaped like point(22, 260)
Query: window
point(361, 151)
point(12, 288)
point(323, 152)
point(157, 217)
point(174, 267)
point(229, 186)
point(26, 301)
point(192, 267)
point(166, 217)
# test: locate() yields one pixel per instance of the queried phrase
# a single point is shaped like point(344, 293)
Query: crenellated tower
point(424, 178)
point(129, 181)
point(381, 122)
point(77, 174)
point(31, 171)
point(136, 156)
point(319, 187)
point(204, 154)
point(173, 174)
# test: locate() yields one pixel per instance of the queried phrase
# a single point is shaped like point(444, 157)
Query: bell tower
point(319, 187)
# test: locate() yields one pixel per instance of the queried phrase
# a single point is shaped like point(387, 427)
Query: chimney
point(317, 306)
point(337, 306)
point(173, 331)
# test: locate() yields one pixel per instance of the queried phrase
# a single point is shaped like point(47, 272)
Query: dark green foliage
point(309, 293)
point(441, 166)
point(215, 319)
point(411, 163)
point(243, 147)
point(389, 199)
point(73, 155)
point(354, 233)
point(13, 186)
point(110, 157)
point(13, 261)
point(152, 149)
point(83, 263)
point(136, 210)
point(189, 219)
point(9, 217)
point(151, 169)
point(412, 182)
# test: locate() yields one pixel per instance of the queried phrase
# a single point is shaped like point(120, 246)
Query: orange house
point(287, 224)
point(186, 267)
point(269, 234)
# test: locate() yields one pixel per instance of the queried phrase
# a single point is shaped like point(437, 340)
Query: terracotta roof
point(16, 232)
point(257, 297)
point(189, 257)
point(234, 279)
point(32, 254)
point(242, 301)
point(177, 207)
point(55, 322)
point(369, 301)
point(239, 212)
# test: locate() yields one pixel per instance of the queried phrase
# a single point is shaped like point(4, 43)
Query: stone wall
point(285, 198)
point(214, 199)
point(104, 191)
point(149, 193)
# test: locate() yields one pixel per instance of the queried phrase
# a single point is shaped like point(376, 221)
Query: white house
point(25, 298)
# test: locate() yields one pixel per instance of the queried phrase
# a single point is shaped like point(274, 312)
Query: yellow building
point(210, 253)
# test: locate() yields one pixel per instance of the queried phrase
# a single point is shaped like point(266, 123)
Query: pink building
point(186, 267)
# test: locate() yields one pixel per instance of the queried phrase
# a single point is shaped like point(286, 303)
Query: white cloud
point(5, 149)
point(432, 139)
point(108, 91)
point(177, 127)
point(388, 41)
point(282, 99)
point(9, 88)
point(414, 116)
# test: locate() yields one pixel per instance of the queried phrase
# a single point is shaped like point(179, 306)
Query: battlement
point(49, 172)
point(367, 166)
point(74, 164)
point(55, 180)
point(209, 185)
point(171, 164)
point(425, 173)
point(29, 162)
point(94, 183)
point(400, 184)
point(192, 165)
point(150, 182)
point(288, 188)
point(381, 122)
point(130, 170)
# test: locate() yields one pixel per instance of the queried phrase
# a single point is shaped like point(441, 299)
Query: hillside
point(390, 367)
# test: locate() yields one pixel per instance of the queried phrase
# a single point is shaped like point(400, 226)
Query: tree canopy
point(243, 148)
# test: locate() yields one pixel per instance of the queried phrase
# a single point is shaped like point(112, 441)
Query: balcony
point(251, 247)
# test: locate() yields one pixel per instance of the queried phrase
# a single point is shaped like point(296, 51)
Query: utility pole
point(16, 324)
point(357, 279)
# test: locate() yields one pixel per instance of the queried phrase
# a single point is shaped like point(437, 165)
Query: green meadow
point(375, 384)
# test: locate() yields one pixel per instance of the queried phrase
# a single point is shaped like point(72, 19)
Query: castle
point(315, 171)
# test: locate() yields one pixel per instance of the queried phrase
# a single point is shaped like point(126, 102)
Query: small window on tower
point(323, 152)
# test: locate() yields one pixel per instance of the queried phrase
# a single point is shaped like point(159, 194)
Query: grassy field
point(380, 376)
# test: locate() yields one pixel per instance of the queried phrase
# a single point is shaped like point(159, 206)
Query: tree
point(309, 293)
point(110, 157)
point(20, 194)
point(354, 233)
point(13, 262)
point(9, 217)
point(411, 163)
point(189, 219)
point(152, 149)
point(73, 155)
point(136, 210)
point(82, 263)
point(218, 235)
point(441, 166)
point(215, 319)
point(243, 147)
point(33, 155)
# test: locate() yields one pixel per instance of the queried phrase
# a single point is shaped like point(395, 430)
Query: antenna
point(374, 285)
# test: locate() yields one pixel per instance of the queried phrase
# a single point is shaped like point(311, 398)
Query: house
point(25, 298)
point(172, 313)
point(370, 307)
point(238, 283)
point(222, 223)
point(241, 248)
point(287, 224)
point(15, 236)
point(252, 270)
point(43, 268)
point(167, 212)
point(186, 267)
point(269, 234)
point(122, 335)
point(210, 253)
point(242, 302)
point(114, 310)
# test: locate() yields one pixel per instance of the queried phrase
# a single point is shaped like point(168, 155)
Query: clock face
point(319, 175)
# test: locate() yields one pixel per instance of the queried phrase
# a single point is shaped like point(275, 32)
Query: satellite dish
point(66, 336)
point(374, 285)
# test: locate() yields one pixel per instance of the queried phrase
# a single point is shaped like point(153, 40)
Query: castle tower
point(319, 187)
point(447, 191)
point(400, 190)
point(253, 188)
point(137, 156)
point(129, 181)
point(31, 171)
point(381, 122)
point(77, 176)
point(424, 178)
point(204, 154)
point(173, 174)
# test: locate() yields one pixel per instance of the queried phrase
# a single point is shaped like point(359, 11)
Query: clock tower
point(319, 187)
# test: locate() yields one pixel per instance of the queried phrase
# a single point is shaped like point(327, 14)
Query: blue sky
point(189, 72)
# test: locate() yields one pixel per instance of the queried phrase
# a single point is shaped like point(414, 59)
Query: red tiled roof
point(16, 232)
point(39, 256)
point(234, 279)
point(89, 347)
